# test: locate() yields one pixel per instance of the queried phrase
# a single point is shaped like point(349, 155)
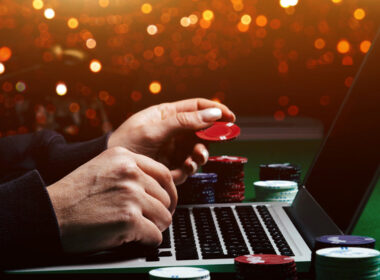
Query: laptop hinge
point(309, 217)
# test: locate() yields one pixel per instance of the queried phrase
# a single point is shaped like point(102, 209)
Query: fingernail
point(211, 114)
point(194, 167)
point(205, 155)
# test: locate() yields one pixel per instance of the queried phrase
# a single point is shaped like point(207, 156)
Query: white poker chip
point(348, 252)
point(276, 184)
point(184, 273)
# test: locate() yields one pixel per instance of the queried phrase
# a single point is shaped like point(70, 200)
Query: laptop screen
point(342, 173)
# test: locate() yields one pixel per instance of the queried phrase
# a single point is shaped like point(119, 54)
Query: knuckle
point(115, 151)
point(158, 239)
point(129, 217)
point(126, 167)
point(167, 219)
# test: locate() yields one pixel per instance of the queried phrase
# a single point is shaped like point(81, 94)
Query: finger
point(161, 174)
point(147, 232)
point(200, 154)
point(155, 211)
point(197, 104)
point(180, 174)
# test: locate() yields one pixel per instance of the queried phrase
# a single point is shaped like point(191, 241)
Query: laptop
point(330, 201)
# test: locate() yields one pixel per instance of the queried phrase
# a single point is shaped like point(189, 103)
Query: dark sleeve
point(29, 233)
point(46, 151)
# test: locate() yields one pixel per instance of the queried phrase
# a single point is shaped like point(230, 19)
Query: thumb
point(194, 120)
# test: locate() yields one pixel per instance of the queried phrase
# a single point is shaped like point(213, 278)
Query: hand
point(165, 133)
point(115, 198)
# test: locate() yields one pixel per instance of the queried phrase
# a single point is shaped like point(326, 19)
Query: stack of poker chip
point(275, 191)
point(187, 273)
point(280, 171)
point(230, 169)
point(199, 188)
point(328, 241)
point(346, 263)
point(272, 267)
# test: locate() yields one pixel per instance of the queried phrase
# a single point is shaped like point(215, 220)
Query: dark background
point(268, 70)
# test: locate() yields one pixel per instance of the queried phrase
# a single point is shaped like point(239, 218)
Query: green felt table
point(301, 152)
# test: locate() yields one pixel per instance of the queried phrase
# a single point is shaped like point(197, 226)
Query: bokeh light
point(208, 15)
point(91, 43)
point(246, 19)
point(95, 66)
point(193, 19)
point(159, 51)
point(152, 29)
point(5, 54)
point(146, 8)
point(2, 68)
point(38, 4)
point(319, 43)
point(293, 110)
point(279, 115)
point(72, 23)
point(336, 1)
point(155, 87)
point(359, 14)
point(261, 20)
point(74, 107)
point(61, 88)
point(185, 22)
point(343, 46)
point(49, 13)
point(288, 3)
point(365, 46)
point(20, 86)
point(104, 3)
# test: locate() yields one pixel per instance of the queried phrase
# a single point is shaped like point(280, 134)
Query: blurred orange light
point(152, 29)
point(95, 66)
point(104, 3)
point(319, 43)
point(348, 81)
point(242, 27)
point(246, 19)
point(288, 3)
point(91, 43)
point(283, 67)
point(261, 20)
point(208, 15)
point(359, 14)
point(38, 4)
point(275, 23)
point(72, 23)
point(293, 110)
point(347, 60)
point(49, 13)
point(343, 46)
point(20, 86)
point(74, 107)
point(2, 68)
point(205, 23)
point(336, 1)
point(5, 54)
point(193, 19)
point(61, 89)
point(279, 115)
point(155, 87)
point(148, 54)
point(159, 51)
point(185, 22)
point(136, 95)
point(365, 46)
point(146, 8)
point(91, 114)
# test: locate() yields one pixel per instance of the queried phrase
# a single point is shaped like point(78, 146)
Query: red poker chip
point(263, 259)
point(219, 131)
point(228, 159)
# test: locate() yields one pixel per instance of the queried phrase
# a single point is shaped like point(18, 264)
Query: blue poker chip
point(203, 176)
point(345, 240)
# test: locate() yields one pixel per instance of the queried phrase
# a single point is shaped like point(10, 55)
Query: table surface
point(301, 152)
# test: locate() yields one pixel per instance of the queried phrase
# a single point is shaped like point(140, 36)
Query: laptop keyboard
point(222, 232)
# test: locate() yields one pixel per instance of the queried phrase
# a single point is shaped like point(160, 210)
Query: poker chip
point(219, 131)
point(199, 188)
point(275, 191)
point(230, 186)
point(262, 266)
point(326, 241)
point(280, 171)
point(185, 273)
point(347, 263)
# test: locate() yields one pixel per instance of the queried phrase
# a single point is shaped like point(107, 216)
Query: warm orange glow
point(159, 51)
point(74, 107)
point(359, 14)
point(365, 46)
point(91, 114)
point(49, 13)
point(155, 87)
point(91, 43)
point(348, 81)
point(152, 29)
point(279, 115)
point(246, 19)
point(185, 22)
point(205, 23)
point(146, 8)
point(103, 95)
point(319, 43)
point(208, 15)
point(38, 4)
point(61, 89)
point(136, 95)
point(347, 60)
point(293, 110)
point(148, 54)
point(5, 54)
point(193, 19)
point(20, 86)
point(288, 3)
point(343, 46)
point(336, 1)
point(104, 3)
point(275, 23)
point(283, 67)
point(95, 66)
point(2, 68)
point(72, 23)
point(242, 27)
point(261, 20)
